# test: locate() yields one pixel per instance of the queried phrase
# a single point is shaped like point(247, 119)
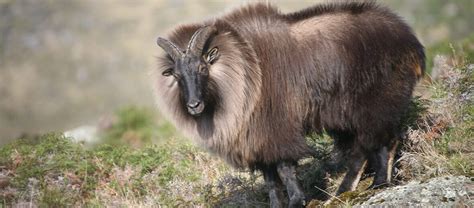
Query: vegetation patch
point(51, 170)
point(136, 127)
point(157, 168)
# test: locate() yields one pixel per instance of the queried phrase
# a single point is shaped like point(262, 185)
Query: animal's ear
point(212, 55)
point(167, 72)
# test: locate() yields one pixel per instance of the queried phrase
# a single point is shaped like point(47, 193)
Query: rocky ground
point(448, 191)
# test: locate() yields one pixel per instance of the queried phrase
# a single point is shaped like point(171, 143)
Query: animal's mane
point(352, 7)
point(234, 82)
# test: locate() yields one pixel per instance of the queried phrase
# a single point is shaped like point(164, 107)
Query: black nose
point(194, 104)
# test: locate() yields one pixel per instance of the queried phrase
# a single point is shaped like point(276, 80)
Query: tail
point(420, 65)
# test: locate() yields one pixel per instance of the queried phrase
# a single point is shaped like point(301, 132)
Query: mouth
point(196, 111)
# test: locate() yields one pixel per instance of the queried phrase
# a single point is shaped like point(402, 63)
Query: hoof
point(297, 201)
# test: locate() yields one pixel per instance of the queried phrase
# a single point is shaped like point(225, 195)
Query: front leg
point(273, 183)
point(287, 173)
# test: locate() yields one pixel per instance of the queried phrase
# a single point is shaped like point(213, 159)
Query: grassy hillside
point(142, 161)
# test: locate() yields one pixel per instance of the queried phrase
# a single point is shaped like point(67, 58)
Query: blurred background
point(68, 63)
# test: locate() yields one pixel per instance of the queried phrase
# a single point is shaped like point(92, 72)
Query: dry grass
point(441, 141)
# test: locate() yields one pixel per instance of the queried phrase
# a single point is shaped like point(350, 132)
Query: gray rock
point(86, 134)
point(450, 191)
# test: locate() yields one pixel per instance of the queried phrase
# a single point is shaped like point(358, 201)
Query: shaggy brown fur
point(349, 69)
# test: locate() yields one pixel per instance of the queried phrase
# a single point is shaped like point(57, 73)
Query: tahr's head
point(191, 67)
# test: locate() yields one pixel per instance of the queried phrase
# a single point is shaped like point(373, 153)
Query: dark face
point(192, 82)
point(191, 70)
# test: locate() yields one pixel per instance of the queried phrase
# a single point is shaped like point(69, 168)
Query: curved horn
point(199, 38)
point(169, 48)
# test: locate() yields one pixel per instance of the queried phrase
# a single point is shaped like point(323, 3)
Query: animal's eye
point(212, 55)
point(167, 72)
point(202, 69)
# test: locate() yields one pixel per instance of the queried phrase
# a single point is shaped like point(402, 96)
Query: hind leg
point(355, 156)
point(287, 173)
point(357, 161)
point(382, 162)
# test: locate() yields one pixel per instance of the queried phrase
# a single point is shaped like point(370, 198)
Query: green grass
point(67, 173)
point(456, 143)
point(156, 167)
point(137, 127)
